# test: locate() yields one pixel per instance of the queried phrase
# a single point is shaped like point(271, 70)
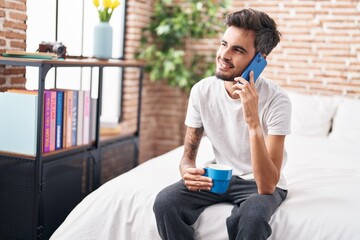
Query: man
point(246, 123)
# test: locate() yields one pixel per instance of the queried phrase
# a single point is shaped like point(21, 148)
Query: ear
point(264, 55)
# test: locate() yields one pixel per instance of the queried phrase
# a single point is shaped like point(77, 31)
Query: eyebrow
point(236, 46)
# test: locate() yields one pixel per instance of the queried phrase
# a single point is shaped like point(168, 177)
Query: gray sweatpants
point(176, 209)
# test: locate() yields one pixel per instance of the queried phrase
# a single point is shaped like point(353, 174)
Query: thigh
point(184, 203)
point(244, 195)
point(246, 199)
point(250, 217)
point(241, 189)
point(262, 204)
point(180, 196)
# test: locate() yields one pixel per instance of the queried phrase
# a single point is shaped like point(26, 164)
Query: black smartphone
point(257, 64)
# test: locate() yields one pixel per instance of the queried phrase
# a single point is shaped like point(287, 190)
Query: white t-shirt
point(221, 116)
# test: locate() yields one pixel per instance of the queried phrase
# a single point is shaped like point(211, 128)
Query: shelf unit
point(38, 192)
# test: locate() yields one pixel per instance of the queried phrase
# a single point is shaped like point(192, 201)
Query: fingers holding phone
point(244, 88)
point(249, 98)
point(257, 65)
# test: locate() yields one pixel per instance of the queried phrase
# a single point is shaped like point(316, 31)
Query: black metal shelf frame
point(92, 150)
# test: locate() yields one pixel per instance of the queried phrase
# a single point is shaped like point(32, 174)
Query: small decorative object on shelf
point(53, 47)
point(103, 30)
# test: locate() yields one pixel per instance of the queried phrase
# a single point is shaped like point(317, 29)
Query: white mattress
point(323, 202)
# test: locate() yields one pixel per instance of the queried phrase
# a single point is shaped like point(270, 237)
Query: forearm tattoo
point(192, 141)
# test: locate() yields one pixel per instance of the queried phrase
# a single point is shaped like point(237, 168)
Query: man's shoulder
point(271, 93)
point(206, 81)
point(205, 84)
point(267, 83)
point(271, 87)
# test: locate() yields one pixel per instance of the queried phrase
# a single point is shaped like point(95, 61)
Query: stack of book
point(66, 120)
point(24, 54)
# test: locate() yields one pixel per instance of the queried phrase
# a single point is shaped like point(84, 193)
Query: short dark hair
point(264, 27)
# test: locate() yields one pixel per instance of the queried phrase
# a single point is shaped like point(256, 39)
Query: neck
point(228, 86)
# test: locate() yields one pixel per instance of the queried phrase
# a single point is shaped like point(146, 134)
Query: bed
point(322, 173)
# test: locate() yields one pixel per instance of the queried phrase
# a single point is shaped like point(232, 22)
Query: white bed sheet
point(323, 202)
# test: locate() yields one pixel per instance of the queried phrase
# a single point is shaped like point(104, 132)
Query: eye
point(223, 43)
point(239, 50)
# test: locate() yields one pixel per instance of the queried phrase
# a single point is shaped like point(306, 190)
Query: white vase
point(103, 33)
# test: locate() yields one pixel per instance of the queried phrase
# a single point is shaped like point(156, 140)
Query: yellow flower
point(105, 8)
point(107, 3)
point(96, 3)
point(115, 4)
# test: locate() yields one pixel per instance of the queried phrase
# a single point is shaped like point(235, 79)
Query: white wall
point(76, 20)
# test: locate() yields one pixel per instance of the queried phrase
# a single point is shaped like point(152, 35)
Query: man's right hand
point(195, 181)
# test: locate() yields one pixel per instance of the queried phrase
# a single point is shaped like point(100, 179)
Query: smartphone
point(257, 65)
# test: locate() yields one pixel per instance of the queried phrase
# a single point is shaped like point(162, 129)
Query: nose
point(224, 53)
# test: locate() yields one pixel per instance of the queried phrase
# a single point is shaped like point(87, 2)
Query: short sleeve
point(278, 118)
point(193, 116)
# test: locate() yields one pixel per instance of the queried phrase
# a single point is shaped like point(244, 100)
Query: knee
point(253, 218)
point(161, 203)
point(166, 200)
point(249, 224)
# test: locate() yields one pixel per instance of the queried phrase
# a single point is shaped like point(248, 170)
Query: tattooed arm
point(191, 175)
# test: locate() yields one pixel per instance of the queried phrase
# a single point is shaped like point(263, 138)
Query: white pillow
point(311, 114)
point(346, 124)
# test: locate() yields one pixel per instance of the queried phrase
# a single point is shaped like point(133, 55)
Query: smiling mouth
point(224, 65)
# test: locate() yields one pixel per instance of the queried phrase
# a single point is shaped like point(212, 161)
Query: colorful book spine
point(46, 130)
point(59, 119)
point(86, 120)
point(80, 119)
point(93, 109)
point(68, 120)
point(52, 120)
point(74, 118)
point(65, 118)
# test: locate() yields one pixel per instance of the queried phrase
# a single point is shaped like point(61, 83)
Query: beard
point(224, 77)
point(227, 76)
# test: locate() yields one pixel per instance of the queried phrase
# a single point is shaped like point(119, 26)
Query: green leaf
point(161, 30)
point(163, 42)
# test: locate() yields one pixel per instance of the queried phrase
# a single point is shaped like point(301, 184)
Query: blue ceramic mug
point(221, 175)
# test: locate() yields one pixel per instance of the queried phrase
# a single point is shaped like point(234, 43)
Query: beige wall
point(319, 53)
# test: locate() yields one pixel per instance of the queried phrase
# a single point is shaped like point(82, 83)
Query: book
point(93, 108)
point(59, 119)
point(86, 120)
point(18, 124)
point(24, 54)
point(64, 118)
point(52, 120)
point(68, 106)
point(46, 126)
point(74, 118)
point(80, 119)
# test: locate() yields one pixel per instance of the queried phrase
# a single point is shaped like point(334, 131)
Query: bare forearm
point(266, 157)
point(192, 176)
point(191, 146)
point(266, 173)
